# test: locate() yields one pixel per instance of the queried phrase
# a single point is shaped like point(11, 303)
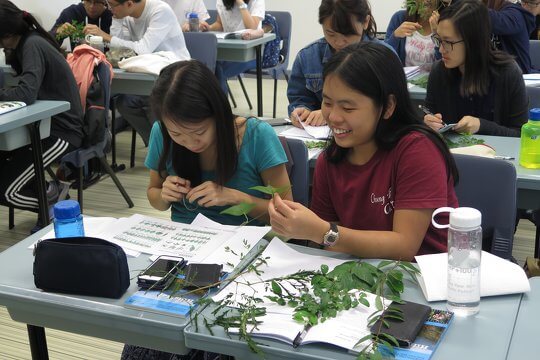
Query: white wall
point(304, 14)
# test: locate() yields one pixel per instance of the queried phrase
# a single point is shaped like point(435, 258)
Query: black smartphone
point(199, 275)
point(161, 272)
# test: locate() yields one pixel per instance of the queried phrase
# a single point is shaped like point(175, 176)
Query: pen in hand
point(428, 112)
point(301, 335)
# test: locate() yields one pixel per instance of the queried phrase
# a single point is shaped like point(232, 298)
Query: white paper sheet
point(317, 132)
point(283, 260)
point(497, 276)
point(156, 236)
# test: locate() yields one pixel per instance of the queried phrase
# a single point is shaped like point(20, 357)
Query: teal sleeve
point(268, 151)
point(155, 147)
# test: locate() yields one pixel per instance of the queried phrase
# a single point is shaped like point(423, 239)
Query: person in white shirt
point(145, 26)
point(234, 15)
point(182, 9)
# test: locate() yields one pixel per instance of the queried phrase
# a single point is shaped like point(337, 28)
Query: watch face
point(331, 236)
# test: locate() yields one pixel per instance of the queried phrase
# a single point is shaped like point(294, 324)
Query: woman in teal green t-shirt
point(202, 158)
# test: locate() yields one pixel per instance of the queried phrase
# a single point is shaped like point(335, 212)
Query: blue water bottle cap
point(193, 15)
point(534, 114)
point(66, 209)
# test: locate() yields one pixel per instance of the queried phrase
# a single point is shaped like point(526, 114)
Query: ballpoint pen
point(500, 157)
point(428, 112)
point(301, 335)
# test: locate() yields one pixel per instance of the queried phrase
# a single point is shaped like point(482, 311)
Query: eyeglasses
point(445, 44)
point(94, 3)
point(531, 4)
point(115, 5)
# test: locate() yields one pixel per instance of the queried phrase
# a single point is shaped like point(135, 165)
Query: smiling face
point(352, 116)
point(196, 137)
point(452, 46)
point(337, 40)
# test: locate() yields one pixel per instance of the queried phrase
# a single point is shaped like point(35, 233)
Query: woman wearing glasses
point(478, 88)
point(88, 12)
point(409, 33)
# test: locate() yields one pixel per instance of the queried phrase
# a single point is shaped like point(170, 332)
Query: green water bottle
point(529, 155)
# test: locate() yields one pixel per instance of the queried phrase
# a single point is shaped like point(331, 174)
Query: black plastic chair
point(489, 185)
point(78, 158)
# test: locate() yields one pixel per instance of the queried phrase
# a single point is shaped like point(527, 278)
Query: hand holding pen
point(434, 121)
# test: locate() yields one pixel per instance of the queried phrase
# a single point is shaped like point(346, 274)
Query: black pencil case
point(81, 266)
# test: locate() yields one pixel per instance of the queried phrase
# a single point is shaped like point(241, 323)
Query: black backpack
point(95, 114)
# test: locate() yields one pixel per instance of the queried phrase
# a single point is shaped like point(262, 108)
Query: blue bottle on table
point(68, 221)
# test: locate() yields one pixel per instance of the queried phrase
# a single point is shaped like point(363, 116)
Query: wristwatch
point(243, 6)
point(332, 236)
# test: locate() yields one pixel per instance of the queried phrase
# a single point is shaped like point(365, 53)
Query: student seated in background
point(182, 9)
point(203, 158)
point(511, 26)
point(410, 34)
point(145, 26)
point(87, 12)
point(235, 15)
point(480, 89)
point(44, 74)
point(383, 173)
point(344, 22)
point(533, 6)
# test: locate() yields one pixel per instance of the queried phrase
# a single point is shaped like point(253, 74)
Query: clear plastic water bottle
point(529, 155)
point(193, 20)
point(464, 257)
point(68, 221)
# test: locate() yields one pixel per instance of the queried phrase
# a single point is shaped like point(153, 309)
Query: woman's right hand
point(407, 28)
point(308, 117)
point(174, 189)
point(434, 121)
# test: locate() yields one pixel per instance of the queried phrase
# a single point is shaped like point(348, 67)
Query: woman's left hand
point(211, 194)
point(468, 124)
point(434, 21)
point(294, 220)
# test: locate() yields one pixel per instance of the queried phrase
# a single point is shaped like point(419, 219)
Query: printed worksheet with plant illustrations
point(163, 237)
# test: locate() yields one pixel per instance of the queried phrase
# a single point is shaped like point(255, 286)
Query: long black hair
point(13, 22)
point(472, 22)
point(229, 4)
point(374, 71)
point(343, 13)
point(188, 92)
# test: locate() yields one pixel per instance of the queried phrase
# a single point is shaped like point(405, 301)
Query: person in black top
point(474, 86)
point(533, 6)
point(88, 12)
point(44, 74)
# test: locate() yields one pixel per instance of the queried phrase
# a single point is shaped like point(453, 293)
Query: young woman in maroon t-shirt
point(384, 171)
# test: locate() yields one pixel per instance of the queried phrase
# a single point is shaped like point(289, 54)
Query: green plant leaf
point(238, 210)
point(324, 268)
point(276, 289)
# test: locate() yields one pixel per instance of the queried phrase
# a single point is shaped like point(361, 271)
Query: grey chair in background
point(78, 158)
point(284, 23)
point(489, 185)
point(297, 168)
point(534, 53)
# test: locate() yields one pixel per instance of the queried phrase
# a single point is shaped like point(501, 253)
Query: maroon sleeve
point(421, 179)
point(321, 199)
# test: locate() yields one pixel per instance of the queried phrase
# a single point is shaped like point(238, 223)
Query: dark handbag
point(81, 266)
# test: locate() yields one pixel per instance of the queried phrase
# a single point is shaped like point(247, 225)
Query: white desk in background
point(28, 125)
